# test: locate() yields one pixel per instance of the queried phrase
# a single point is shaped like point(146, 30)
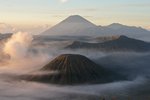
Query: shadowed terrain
point(74, 69)
point(123, 43)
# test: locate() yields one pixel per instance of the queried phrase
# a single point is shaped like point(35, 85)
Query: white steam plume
point(17, 46)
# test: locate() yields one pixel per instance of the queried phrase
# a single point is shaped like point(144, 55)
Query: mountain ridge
point(76, 25)
point(123, 43)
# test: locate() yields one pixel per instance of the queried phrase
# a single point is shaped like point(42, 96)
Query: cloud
point(6, 28)
point(148, 28)
point(17, 46)
point(34, 29)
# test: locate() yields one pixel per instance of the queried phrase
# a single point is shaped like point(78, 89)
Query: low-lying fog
point(22, 54)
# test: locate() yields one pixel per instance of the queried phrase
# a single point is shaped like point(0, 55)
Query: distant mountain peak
point(116, 25)
point(126, 39)
point(75, 16)
point(123, 37)
point(77, 19)
point(74, 25)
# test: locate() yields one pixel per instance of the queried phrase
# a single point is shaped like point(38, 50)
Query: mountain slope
point(72, 69)
point(78, 26)
point(131, 31)
point(123, 43)
point(74, 25)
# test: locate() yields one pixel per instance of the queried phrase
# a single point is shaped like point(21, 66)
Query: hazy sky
point(38, 14)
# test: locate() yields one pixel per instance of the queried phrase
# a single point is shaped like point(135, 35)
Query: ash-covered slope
point(120, 29)
point(74, 69)
point(74, 26)
point(123, 43)
point(137, 32)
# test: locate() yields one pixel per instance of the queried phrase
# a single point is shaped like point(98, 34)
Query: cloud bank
point(6, 28)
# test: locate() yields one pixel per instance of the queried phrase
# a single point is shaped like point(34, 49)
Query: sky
point(37, 15)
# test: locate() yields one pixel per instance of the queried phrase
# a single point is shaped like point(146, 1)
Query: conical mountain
point(74, 25)
point(74, 69)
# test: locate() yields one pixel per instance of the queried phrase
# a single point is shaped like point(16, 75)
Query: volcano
point(74, 69)
point(77, 25)
point(74, 25)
